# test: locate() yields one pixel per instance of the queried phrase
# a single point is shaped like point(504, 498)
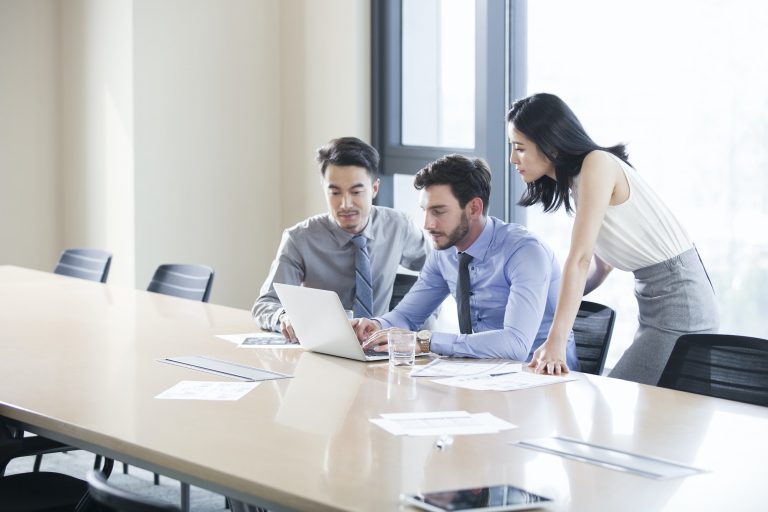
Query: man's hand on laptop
point(364, 327)
point(378, 340)
point(287, 329)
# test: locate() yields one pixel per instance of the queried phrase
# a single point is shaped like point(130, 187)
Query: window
point(684, 86)
point(441, 84)
point(438, 65)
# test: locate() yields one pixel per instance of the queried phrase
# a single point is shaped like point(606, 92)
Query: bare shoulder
point(599, 165)
point(598, 178)
point(599, 159)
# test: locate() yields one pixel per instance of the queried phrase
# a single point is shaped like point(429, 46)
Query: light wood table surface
point(79, 363)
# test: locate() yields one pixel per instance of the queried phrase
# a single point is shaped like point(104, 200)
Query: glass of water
point(402, 348)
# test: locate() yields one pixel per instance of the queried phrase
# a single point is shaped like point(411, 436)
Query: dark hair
point(349, 151)
point(468, 177)
point(556, 131)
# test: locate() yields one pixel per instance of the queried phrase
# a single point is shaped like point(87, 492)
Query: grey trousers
point(674, 297)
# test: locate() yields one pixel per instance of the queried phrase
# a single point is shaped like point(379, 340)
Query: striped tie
point(363, 286)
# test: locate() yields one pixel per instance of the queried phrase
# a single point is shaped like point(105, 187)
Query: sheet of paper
point(206, 390)
point(642, 465)
point(441, 423)
point(505, 382)
point(446, 368)
point(259, 340)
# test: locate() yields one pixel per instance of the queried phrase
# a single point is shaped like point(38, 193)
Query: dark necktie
point(462, 294)
point(363, 282)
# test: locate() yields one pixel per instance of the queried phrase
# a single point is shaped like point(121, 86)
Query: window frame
point(500, 29)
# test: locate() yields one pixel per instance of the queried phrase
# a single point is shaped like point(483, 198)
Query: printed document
point(450, 423)
point(446, 368)
point(206, 390)
point(259, 340)
point(505, 382)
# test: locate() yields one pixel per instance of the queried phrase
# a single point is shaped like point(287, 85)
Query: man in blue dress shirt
point(513, 276)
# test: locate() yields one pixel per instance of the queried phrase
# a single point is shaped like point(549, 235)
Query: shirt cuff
point(383, 323)
point(442, 343)
point(276, 323)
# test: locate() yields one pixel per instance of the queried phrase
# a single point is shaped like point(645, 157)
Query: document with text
point(446, 368)
point(259, 340)
point(206, 390)
point(441, 423)
point(505, 382)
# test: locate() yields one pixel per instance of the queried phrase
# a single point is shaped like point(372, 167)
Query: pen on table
point(500, 374)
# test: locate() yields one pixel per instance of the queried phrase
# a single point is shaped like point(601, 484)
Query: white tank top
point(639, 232)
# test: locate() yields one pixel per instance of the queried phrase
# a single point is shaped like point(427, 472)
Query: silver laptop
point(321, 323)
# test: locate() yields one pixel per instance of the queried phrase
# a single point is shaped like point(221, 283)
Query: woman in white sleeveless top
point(619, 222)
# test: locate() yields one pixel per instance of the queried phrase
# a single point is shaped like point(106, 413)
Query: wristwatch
point(424, 339)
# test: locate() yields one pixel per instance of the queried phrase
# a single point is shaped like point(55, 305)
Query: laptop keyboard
point(372, 353)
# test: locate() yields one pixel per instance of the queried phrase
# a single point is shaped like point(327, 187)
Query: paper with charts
point(259, 340)
point(505, 382)
point(451, 423)
point(206, 390)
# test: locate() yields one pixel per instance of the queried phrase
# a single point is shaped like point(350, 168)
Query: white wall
point(180, 131)
point(30, 228)
point(95, 88)
point(325, 82)
point(207, 139)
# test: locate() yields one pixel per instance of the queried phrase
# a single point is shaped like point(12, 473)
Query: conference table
point(79, 363)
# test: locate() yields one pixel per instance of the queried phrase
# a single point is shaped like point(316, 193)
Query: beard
point(456, 235)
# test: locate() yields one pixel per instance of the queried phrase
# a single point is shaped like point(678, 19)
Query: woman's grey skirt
point(674, 297)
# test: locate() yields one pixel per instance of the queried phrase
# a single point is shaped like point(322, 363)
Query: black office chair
point(112, 498)
point(592, 330)
point(36, 491)
point(403, 283)
point(90, 264)
point(719, 365)
point(180, 280)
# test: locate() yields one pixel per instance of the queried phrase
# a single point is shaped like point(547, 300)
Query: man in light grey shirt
point(319, 252)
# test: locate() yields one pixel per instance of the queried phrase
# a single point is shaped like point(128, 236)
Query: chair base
point(41, 491)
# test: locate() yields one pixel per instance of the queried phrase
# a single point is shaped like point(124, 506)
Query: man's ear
point(375, 188)
point(476, 207)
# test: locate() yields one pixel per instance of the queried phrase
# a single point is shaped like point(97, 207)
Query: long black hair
point(550, 124)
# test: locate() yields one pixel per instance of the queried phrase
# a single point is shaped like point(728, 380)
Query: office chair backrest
point(113, 498)
point(592, 330)
point(90, 264)
point(186, 281)
point(719, 365)
point(403, 283)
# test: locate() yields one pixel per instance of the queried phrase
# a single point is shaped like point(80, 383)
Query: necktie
point(363, 281)
point(462, 294)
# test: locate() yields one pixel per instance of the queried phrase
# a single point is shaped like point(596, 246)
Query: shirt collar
point(480, 247)
point(343, 237)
